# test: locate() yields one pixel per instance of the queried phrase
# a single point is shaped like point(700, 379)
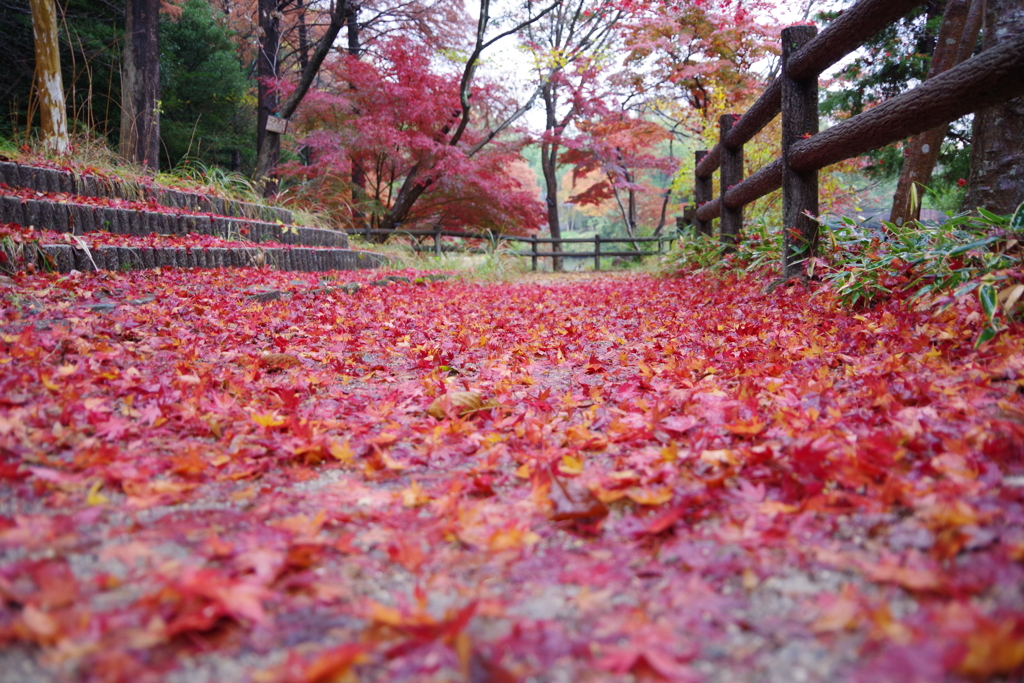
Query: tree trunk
point(269, 151)
point(268, 144)
point(997, 150)
point(666, 198)
point(303, 35)
point(549, 165)
point(412, 189)
point(957, 36)
point(358, 174)
point(140, 85)
point(49, 83)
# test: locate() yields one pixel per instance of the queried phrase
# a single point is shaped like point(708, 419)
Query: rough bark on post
point(997, 149)
point(49, 84)
point(986, 80)
point(140, 85)
point(731, 175)
point(799, 190)
point(703, 187)
point(957, 36)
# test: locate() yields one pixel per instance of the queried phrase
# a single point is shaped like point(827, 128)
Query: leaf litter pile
point(614, 479)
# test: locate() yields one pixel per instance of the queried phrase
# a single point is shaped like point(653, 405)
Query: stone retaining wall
point(54, 180)
point(65, 258)
point(82, 218)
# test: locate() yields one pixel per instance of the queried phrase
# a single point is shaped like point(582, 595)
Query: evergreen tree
point(204, 113)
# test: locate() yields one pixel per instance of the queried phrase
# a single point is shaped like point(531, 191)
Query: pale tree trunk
point(49, 84)
point(140, 85)
point(957, 36)
point(997, 150)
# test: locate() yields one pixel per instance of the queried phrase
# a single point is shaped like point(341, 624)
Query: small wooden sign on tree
point(275, 124)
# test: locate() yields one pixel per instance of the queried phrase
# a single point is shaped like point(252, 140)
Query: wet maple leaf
point(279, 361)
point(326, 667)
point(650, 661)
point(994, 648)
point(572, 502)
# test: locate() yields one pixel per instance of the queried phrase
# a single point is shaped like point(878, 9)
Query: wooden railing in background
point(597, 254)
point(993, 76)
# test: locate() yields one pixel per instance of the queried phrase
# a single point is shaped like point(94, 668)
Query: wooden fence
point(597, 254)
point(992, 77)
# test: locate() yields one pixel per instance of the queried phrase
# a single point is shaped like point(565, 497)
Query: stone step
point(64, 258)
point(88, 185)
point(82, 218)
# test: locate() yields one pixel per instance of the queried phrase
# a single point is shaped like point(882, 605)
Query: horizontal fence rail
point(994, 76)
point(534, 254)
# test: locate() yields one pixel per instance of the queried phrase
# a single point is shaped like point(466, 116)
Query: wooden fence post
point(437, 240)
point(685, 224)
point(731, 175)
point(533, 248)
point(597, 252)
point(702, 189)
point(799, 190)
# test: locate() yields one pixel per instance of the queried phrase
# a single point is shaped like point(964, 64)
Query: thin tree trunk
point(268, 144)
point(303, 35)
point(140, 85)
point(627, 210)
point(997, 150)
point(269, 150)
point(358, 175)
point(664, 212)
point(49, 83)
point(957, 36)
point(549, 166)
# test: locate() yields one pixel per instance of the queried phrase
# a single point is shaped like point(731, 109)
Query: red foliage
point(393, 120)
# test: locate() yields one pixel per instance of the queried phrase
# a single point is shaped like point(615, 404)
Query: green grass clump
point(930, 264)
point(935, 264)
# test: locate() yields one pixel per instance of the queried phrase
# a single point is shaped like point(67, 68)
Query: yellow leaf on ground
point(993, 649)
point(95, 497)
point(570, 465)
point(719, 457)
point(267, 420)
point(341, 451)
point(413, 496)
point(650, 496)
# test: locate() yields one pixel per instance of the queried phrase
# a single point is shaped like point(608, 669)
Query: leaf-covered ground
point(608, 479)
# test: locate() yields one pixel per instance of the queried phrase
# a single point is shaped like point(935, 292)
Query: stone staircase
point(106, 223)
